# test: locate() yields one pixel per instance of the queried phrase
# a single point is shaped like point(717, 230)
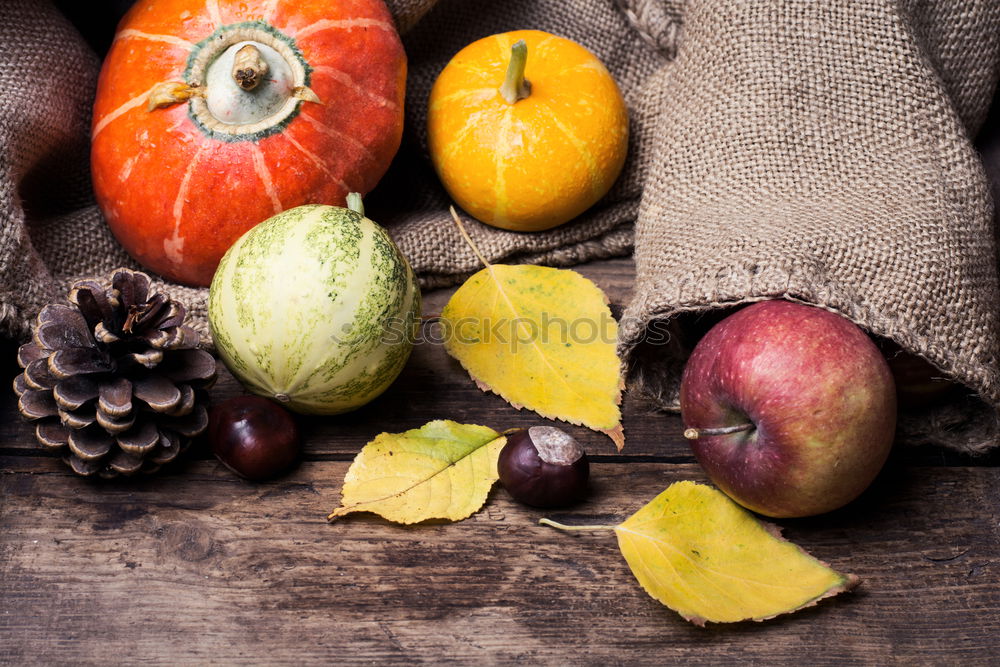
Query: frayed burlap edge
point(968, 423)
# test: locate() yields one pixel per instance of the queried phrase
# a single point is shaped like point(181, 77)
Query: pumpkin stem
point(355, 204)
point(515, 87)
point(249, 67)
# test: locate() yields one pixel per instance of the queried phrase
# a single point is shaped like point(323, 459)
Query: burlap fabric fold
point(820, 151)
point(811, 150)
point(54, 234)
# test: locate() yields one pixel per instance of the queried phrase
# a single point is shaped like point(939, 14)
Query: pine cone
point(114, 379)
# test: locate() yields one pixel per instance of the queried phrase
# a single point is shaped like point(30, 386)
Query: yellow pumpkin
point(526, 129)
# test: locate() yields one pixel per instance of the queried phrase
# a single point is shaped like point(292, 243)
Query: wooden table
point(198, 566)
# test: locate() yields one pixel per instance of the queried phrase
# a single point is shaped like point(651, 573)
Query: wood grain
point(197, 566)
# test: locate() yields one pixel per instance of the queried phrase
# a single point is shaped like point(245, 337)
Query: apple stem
point(695, 433)
point(562, 526)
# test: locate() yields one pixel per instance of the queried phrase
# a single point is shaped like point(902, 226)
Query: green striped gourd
point(315, 307)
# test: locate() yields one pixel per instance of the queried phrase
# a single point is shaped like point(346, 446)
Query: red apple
point(789, 408)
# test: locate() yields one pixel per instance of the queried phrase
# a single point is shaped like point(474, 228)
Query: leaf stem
point(695, 433)
point(562, 526)
point(515, 87)
point(465, 235)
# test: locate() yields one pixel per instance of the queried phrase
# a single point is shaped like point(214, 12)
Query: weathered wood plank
point(199, 566)
point(650, 432)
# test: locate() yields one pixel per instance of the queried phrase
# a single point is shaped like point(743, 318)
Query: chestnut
point(544, 466)
point(253, 436)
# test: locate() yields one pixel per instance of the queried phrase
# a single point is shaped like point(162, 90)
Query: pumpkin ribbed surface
point(538, 162)
point(179, 184)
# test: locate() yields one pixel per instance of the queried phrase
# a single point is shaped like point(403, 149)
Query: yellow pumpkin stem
point(515, 87)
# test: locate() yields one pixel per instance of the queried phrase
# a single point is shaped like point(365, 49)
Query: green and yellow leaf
point(708, 559)
point(442, 470)
point(541, 338)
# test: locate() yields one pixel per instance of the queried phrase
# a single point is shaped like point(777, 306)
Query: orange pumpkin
point(213, 115)
point(526, 129)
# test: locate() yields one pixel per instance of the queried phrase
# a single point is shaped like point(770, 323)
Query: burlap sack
point(794, 148)
point(820, 151)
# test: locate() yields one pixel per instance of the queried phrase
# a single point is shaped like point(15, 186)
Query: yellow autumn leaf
point(541, 338)
point(442, 470)
point(708, 559)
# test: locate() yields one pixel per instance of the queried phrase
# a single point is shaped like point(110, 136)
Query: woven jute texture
point(820, 151)
point(811, 150)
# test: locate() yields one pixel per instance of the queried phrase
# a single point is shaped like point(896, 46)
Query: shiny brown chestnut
point(253, 436)
point(544, 466)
